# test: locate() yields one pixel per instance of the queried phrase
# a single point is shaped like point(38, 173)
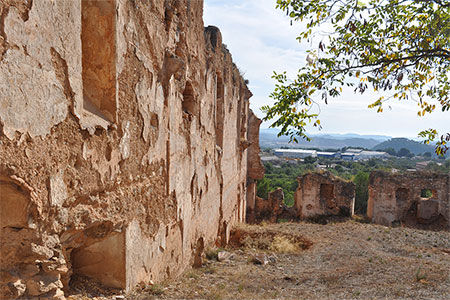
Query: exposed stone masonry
point(125, 129)
point(398, 199)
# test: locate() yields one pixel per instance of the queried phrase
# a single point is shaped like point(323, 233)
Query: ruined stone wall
point(317, 195)
point(323, 194)
point(395, 199)
point(269, 209)
point(124, 130)
point(255, 167)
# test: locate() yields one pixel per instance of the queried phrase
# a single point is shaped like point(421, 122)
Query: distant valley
point(268, 139)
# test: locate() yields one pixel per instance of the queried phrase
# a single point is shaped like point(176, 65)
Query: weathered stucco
point(123, 147)
point(395, 199)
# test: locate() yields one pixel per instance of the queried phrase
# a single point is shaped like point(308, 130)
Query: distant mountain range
point(268, 138)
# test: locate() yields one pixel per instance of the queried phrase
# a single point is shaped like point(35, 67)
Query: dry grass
point(344, 260)
point(282, 244)
point(267, 238)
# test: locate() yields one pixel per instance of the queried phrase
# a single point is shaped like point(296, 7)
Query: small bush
point(212, 254)
point(156, 289)
point(420, 275)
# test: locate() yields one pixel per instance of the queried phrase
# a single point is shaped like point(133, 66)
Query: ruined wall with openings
point(123, 146)
point(323, 194)
point(416, 199)
point(319, 194)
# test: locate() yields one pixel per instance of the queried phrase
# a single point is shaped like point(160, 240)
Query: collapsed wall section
point(416, 199)
point(323, 194)
point(124, 134)
point(319, 194)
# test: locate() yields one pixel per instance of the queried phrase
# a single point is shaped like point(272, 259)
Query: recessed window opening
point(189, 104)
point(401, 196)
point(98, 44)
point(101, 261)
point(426, 193)
point(327, 194)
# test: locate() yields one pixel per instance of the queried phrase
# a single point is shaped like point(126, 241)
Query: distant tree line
point(284, 175)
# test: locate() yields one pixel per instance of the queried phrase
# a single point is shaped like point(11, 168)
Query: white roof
point(372, 153)
point(326, 153)
point(295, 150)
point(348, 153)
point(354, 150)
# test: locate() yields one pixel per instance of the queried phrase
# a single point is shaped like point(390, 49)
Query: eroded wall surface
point(255, 168)
point(124, 135)
point(396, 199)
point(323, 194)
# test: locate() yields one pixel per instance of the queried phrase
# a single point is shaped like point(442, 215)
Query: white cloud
point(261, 41)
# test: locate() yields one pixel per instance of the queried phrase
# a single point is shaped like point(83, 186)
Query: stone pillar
point(251, 194)
point(255, 169)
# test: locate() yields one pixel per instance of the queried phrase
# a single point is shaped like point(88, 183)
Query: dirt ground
point(345, 260)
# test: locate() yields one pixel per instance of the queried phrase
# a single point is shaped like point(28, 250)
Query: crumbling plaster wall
point(324, 194)
point(396, 199)
point(141, 172)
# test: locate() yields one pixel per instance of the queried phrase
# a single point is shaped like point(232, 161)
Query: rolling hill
point(398, 143)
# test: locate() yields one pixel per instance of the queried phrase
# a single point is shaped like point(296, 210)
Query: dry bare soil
point(345, 260)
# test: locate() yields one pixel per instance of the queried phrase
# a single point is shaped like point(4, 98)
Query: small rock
point(224, 256)
point(260, 259)
point(20, 287)
point(119, 297)
point(272, 259)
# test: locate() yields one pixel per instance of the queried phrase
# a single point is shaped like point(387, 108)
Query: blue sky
point(261, 41)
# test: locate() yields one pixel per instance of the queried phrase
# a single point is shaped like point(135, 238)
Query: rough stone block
point(427, 210)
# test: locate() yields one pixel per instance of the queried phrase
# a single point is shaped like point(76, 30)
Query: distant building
point(326, 154)
point(351, 150)
point(271, 158)
point(358, 154)
point(365, 155)
point(422, 165)
point(348, 155)
point(295, 153)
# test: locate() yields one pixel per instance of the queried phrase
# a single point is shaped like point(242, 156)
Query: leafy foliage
point(361, 181)
point(426, 193)
point(401, 47)
point(283, 176)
